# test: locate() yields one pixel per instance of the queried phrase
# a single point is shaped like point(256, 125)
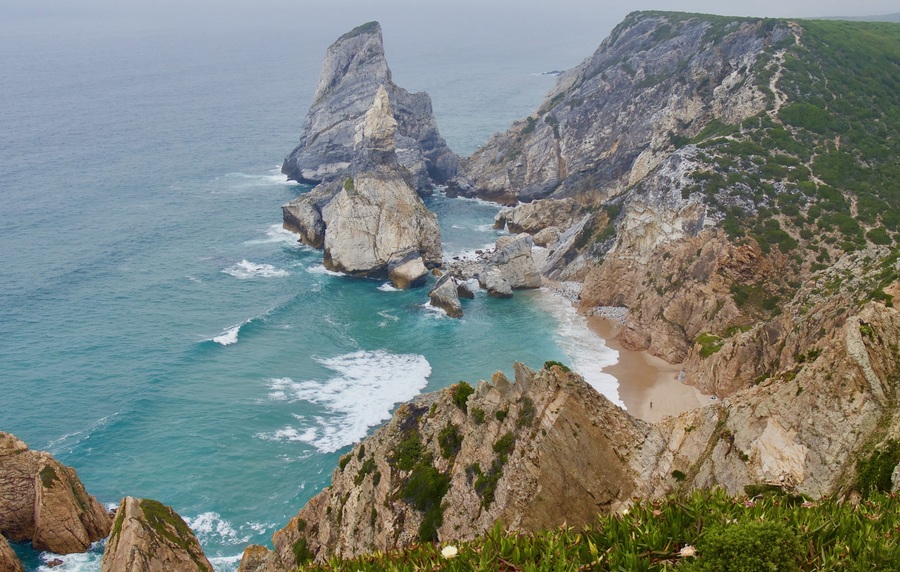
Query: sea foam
point(276, 234)
point(210, 527)
point(80, 562)
point(587, 352)
point(246, 269)
point(361, 395)
point(229, 336)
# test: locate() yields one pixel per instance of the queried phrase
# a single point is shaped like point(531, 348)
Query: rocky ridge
point(9, 562)
point(354, 69)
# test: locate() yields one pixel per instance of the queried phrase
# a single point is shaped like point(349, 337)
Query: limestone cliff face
point(614, 118)
point(43, 501)
point(372, 223)
point(352, 72)
point(148, 536)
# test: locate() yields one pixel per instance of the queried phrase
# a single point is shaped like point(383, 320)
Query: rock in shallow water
point(444, 295)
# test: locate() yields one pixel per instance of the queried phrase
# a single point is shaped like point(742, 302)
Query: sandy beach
point(648, 385)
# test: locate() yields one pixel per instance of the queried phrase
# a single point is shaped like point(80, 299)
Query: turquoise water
point(160, 332)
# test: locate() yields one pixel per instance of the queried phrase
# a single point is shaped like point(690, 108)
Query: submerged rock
point(148, 536)
point(445, 296)
point(353, 71)
point(43, 501)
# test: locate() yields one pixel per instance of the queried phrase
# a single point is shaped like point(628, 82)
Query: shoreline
point(648, 385)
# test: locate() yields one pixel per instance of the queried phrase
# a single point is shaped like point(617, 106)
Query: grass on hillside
point(705, 531)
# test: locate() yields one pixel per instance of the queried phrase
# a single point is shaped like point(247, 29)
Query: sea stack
point(352, 73)
point(372, 223)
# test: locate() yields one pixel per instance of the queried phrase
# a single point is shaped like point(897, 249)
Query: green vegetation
point(874, 473)
point(478, 415)
point(409, 452)
point(48, 476)
point(709, 344)
point(501, 414)
point(461, 392)
point(168, 525)
point(770, 534)
point(450, 440)
point(748, 547)
point(342, 463)
point(348, 184)
point(366, 28)
point(425, 490)
point(367, 468)
point(302, 553)
point(504, 446)
point(527, 412)
point(549, 364)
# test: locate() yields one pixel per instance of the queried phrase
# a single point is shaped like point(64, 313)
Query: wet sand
point(648, 385)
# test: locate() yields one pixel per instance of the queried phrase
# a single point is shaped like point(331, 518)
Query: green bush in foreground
point(701, 532)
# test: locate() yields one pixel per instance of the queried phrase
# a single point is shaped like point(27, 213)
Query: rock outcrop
point(372, 223)
point(148, 536)
point(445, 295)
point(43, 501)
point(353, 71)
point(611, 120)
point(9, 562)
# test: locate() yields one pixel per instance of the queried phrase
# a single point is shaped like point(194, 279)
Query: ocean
point(161, 332)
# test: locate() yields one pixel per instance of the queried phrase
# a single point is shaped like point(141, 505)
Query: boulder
point(513, 258)
point(148, 536)
point(463, 291)
point(354, 69)
point(43, 501)
point(407, 270)
point(9, 562)
point(444, 296)
point(492, 280)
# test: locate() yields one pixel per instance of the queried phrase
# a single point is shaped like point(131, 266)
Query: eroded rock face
point(538, 215)
point(492, 280)
point(148, 536)
point(372, 223)
point(9, 562)
point(43, 501)
point(512, 256)
point(611, 120)
point(352, 72)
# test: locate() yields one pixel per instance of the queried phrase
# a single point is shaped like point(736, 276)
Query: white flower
point(449, 551)
point(625, 512)
point(688, 550)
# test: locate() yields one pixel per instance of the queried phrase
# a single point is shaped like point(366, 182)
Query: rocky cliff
point(148, 536)
point(658, 78)
point(43, 501)
point(372, 223)
point(547, 450)
point(352, 72)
